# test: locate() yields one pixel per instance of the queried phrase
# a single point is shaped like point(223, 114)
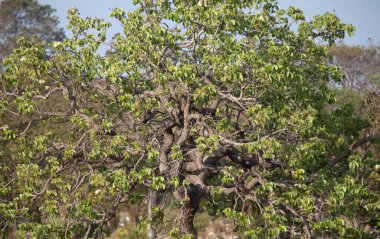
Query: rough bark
point(153, 203)
point(189, 209)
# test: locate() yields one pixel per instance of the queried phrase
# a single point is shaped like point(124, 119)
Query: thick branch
point(339, 158)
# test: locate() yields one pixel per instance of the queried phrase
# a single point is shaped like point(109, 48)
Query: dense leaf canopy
point(224, 104)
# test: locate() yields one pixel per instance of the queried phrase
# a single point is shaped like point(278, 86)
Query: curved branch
point(339, 158)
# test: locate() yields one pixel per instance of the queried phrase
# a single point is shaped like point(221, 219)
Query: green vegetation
point(216, 104)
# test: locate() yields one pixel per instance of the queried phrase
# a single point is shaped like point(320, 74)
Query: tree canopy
point(226, 105)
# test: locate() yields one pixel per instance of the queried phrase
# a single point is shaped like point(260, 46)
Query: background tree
point(26, 18)
point(360, 86)
point(217, 103)
point(360, 65)
point(359, 94)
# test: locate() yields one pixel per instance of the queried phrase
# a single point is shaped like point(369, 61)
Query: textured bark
point(189, 209)
point(153, 203)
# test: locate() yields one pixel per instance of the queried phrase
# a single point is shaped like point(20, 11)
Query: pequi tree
point(226, 105)
point(26, 18)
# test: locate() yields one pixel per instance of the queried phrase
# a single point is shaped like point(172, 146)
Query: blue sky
point(363, 14)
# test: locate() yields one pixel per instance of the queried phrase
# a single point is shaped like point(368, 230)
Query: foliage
point(129, 233)
point(26, 18)
point(217, 102)
point(361, 86)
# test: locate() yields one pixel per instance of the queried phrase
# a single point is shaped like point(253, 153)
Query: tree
point(361, 84)
point(359, 91)
point(26, 18)
point(360, 65)
point(216, 102)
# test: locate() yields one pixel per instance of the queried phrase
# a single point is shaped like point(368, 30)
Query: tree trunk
point(153, 203)
point(188, 211)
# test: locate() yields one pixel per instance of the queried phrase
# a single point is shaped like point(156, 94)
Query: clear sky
point(363, 14)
